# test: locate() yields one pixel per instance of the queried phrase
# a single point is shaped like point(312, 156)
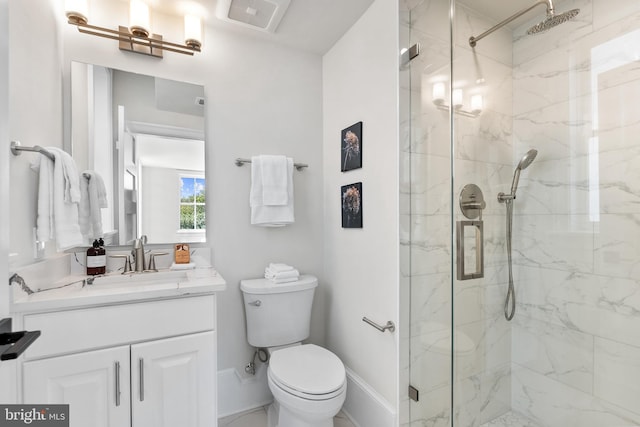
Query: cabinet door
point(173, 382)
point(95, 384)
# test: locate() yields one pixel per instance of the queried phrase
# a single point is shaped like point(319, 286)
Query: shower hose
point(510, 301)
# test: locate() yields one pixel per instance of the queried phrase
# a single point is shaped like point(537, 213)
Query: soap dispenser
point(96, 259)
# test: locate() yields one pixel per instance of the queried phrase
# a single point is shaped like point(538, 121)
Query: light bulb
point(437, 93)
point(139, 21)
point(192, 31)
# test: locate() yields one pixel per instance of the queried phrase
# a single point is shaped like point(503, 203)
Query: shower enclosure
point(570, 356)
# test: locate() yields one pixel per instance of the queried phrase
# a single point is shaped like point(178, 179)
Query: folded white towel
point(58, 198)
point(93, 199)
point(269, 215)
point(277, 267)
point(282, 275)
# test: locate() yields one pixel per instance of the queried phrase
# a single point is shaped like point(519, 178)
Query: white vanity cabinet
point(172, 382)
point(95, 384)
point(144, 364)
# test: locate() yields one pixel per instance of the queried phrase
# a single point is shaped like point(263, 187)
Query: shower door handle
point(477, 227)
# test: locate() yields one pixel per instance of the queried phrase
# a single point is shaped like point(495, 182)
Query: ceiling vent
point(264, 15)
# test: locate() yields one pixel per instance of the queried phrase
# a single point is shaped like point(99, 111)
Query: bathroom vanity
point(128, 350)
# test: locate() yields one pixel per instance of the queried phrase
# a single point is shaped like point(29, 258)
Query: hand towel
point(274, 180)
point(58, 198)
point(93, 199)
point(282, 275)
point(278, 267)
point(284, 280)
point(269, 215)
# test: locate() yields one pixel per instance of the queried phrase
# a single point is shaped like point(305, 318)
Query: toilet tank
point(278, 314)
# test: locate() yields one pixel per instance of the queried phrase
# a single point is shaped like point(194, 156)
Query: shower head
point(553, 20)
point(524, 163)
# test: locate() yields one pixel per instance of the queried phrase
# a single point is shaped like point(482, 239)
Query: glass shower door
point(566, 353)
point(426, 212)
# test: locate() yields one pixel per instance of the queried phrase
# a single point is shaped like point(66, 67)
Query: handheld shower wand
point(524, 163)
point(507, 199)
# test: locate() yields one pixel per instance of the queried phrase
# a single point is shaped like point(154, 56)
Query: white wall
point(360, 83)
point(261, 99)
point(35, 102)
point(4, 155)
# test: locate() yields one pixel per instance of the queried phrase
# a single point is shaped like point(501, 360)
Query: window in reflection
point(192, 203)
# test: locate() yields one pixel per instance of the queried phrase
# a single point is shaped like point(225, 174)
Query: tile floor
point(258, 418)
point(511, 419)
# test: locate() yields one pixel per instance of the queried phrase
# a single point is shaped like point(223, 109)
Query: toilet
point(308, 382)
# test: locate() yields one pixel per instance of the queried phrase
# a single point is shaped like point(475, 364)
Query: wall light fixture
point(457, 96)
point(137, 37)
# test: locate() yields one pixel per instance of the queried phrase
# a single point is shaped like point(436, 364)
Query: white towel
point(274, 180)
point(58, 196)
point(282, 275)
point(269, 215)
point(277, 267)
point(93, 199)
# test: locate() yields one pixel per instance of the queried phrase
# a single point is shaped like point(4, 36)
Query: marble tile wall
point(575, 340)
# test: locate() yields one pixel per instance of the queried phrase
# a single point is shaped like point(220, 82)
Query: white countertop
point(114, 288)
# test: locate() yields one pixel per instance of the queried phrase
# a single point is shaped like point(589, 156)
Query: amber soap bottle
point(96, 259)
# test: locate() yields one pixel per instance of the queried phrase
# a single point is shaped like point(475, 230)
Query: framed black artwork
point(351, 144)
point(351, 202)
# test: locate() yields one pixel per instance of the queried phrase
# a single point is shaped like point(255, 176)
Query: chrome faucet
point(138, 254)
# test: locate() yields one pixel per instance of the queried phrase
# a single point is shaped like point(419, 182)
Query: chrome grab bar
point(389, 326)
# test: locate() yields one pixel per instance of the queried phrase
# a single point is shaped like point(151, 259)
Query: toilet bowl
point(308, 384)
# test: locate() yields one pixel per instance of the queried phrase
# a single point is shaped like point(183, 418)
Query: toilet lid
point(308, 369)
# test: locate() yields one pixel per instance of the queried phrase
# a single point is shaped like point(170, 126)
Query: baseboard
point(364, 406)
point(237, 394)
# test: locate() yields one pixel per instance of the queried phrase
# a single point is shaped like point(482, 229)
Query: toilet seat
point(307, 371)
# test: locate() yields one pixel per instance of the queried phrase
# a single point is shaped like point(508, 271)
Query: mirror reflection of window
point(192, 203)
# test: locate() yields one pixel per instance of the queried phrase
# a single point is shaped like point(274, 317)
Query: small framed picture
point(351, 144)
point(351, 202)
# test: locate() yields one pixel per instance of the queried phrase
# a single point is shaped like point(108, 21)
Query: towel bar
point(16, 149)
point(298, 166)
point(389, 326)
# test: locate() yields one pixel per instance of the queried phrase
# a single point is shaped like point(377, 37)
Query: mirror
point(144, 136)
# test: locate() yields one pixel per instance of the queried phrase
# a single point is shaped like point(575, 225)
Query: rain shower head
point(553, 20)
point(524, 163)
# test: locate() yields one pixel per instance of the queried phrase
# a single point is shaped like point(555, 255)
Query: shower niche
point(469, 234)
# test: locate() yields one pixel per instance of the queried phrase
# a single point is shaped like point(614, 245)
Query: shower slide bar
point(299, 166)
point(390, 326)
point(16, 149)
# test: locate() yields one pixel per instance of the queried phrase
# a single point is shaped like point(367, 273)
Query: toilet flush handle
point(256, 303)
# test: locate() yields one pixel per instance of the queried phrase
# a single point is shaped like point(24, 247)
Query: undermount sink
point(147, 277)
